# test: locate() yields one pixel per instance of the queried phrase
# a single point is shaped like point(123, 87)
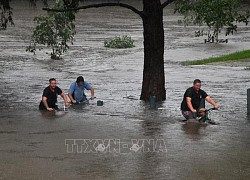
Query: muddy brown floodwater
point(35, 145)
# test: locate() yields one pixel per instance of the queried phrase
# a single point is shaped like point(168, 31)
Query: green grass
point(237, 56)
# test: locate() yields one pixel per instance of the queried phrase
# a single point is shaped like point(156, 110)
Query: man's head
point(80, 81)
point(197, 84)
point(52, 83)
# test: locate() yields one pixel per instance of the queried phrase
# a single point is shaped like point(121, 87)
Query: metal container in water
point(99, 103)
point(152, 102)
point(248, 101)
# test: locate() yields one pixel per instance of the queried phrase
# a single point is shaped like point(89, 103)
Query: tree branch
point(140, 13)
point(167, 2)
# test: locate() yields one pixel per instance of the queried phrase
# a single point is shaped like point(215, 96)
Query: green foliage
point(120, 42)
point(6, 12)
point(243, 56)
point(216, 14)
point(5, 15)
point(54, 31)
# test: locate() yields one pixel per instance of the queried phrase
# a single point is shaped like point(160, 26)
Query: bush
point(55, 31)
point(247, 68)
point(119, 42)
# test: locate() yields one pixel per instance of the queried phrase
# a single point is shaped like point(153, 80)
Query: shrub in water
point(119, 42)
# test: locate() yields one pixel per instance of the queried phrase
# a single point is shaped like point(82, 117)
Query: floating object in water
point(161, 108)
point(99, 103)
point(248, 102)
point(152, 102)
point(91, 101)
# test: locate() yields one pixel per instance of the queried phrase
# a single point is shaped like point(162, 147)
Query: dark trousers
point(190, 115)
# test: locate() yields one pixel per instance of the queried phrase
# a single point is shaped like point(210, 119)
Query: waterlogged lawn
point(241, 56)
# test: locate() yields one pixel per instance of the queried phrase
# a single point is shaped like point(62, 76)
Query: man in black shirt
point(193, 103)
point(49, 98)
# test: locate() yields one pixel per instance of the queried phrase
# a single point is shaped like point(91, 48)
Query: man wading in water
point(76, 91)
point(49, 98)
point(193, 103)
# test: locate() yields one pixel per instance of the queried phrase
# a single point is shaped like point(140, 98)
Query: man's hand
point(193, 111)
point(74, 101)
point(67, 104)
point(202, 111)
point(50, 109)
point(216, 106)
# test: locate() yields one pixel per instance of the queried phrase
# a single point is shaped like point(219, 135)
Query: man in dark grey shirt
point(193, 103)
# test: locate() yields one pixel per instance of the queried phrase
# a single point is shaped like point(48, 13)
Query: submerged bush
point(247, 68)
point(119, 42)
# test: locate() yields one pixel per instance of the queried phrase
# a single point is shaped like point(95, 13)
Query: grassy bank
point(237, 56)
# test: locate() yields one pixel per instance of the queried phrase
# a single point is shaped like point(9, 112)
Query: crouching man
point(76, 91)
point(193, 103)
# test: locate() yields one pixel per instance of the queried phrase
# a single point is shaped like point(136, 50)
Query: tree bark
point(153, 73)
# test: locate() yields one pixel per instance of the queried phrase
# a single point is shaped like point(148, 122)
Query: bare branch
point(166, 3)
point(33, 2)
point(140, 13)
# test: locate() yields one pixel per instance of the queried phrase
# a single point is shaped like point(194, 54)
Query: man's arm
point(44, 100)
point(89, 87)
point(70, 93)
point(65, 99)
point(211, 101)
point(189, 104)
point(71, 98)
point(92, 92)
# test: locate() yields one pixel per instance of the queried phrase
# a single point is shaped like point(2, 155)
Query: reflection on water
point(193, 128)
point(53, 114)
point(33, 142)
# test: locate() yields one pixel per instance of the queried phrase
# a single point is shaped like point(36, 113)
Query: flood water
point(35, 145)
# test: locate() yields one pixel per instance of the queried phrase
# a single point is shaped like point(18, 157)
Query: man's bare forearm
point(71, 97)
point(92, 92)
point(211, 101)
point(45, 103)
point(64, 98)
point(190, 106)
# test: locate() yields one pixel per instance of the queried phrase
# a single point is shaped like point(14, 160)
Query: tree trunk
point(153, 73)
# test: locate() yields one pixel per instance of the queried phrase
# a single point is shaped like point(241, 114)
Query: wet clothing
point(51, 97)
point(192, 115)
point(78, 91)
point(197, 100)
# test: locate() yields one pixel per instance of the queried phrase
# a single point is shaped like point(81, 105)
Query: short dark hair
point(79, 79)
point(197, 81)
point(52, 79)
